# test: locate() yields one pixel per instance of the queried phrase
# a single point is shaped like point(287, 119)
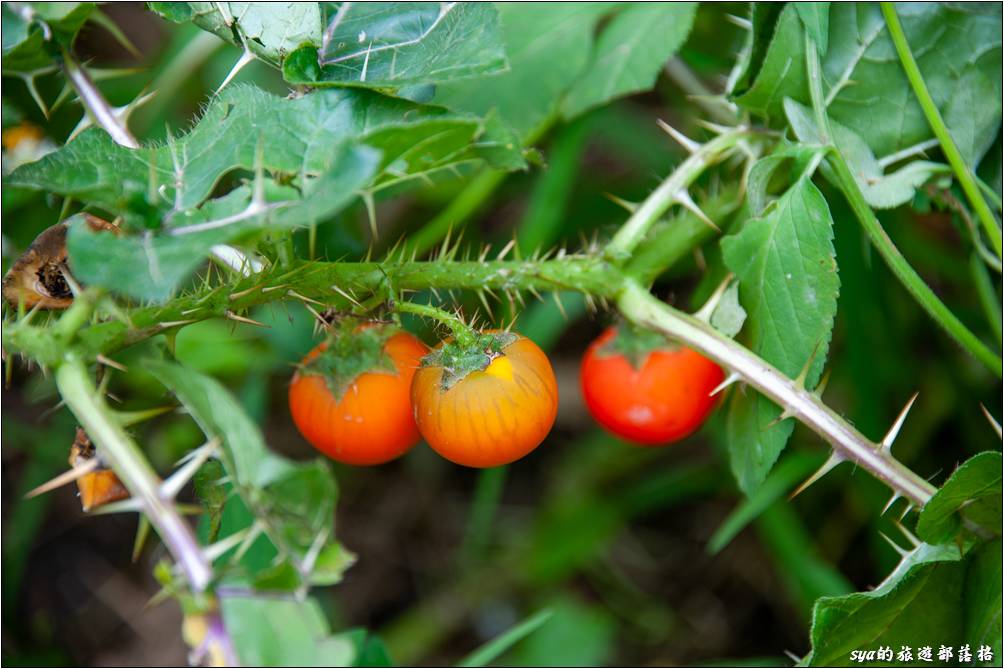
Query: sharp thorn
point(830, 463)
point(886, 443)
point(729, 380)
point(346, 295)
point(108, 362)
point(914, 541)
point(690, 145)
point(64, 478)
point(896, 547)
point(243, 319)
point(506, 249)
point(630, 207)
point(214, 551)
point(131, 505)
point(171, 324)
point(892, 500)
point(303, 298)
point(127, 418)
point(993, 422)
point(705, 312)
point(683, 198)
point(170, 488)
point(713, 127)
point(821, 386)
point(804, 373)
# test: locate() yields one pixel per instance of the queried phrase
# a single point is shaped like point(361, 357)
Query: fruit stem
point(462, 333)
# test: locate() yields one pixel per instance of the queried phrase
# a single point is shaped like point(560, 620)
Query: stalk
point(938, 127)
point(907, 276)
point(125, 457)
point(668, 192)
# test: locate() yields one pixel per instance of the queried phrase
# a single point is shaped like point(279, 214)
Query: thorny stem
point(463, 334)
point(907, 276)
point(662, 198)
point(640, 306)
point(962, 172)
point(132, 468)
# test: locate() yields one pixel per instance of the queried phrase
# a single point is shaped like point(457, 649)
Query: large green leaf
point(157, 264)
point(307, 147)
point(788, 285)
point(881, 190)
point(630, 53)
point(270, 632)
point(269, 30)
point(958, 50)
point(25, 26)
point(548, 45)
point(973, 492)
point(390, 45)
point(294, 501)
point(917, 605)
point(294, 137)
point(932, 599)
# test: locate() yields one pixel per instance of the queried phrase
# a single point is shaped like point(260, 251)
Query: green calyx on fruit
point(635, 343)
point(458, 360)
point(352, 348)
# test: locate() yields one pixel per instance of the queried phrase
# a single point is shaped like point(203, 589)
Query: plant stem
point(905, 273)
point(637, 226)
point(461, 331)
point(989, 299)
point(881, 240)
point(937, 123)
point(125, 457)
point(638, 305)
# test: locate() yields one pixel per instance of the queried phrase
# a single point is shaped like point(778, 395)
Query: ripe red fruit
point(493, 412)
point(351, 396)
point(649, 396)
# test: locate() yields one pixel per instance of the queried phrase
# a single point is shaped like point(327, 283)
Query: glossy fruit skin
point(373, 422)
point(664, 401)
point(491, 417)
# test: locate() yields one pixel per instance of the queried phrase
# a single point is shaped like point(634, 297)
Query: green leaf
point(294, 501)
point(729, 316)
point(298, 139)
point(24, 40)
point(630, 53)
point(548, 45)
point(758, 182)
point(269, 30)
point(958, 50)
point(815, 17)
point(973, 491)
point(881, 191)
point(270, 632)
point(788, 285)
point(982, 599)
point(500, 644)
point(308, 147)
point(919, 604)
point(390, 45)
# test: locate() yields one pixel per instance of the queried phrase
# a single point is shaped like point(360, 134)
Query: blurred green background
point(644, 556)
